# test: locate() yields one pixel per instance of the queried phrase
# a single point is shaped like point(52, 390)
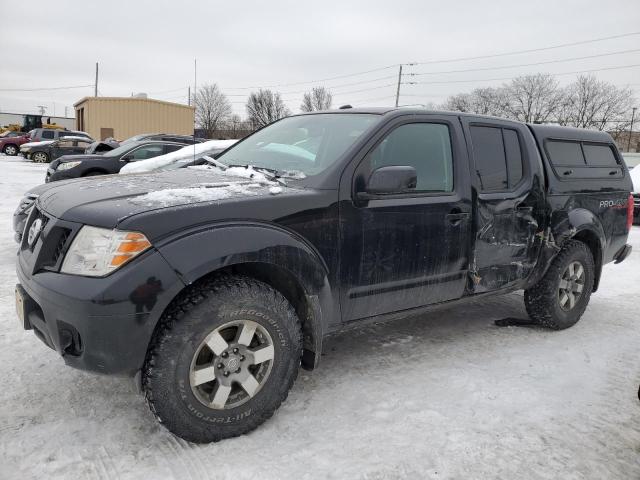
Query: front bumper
point(99, 324)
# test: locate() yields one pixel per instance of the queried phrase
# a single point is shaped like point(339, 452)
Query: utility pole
point(42, 109)
point(95, 90)
point(189, 96)
point(633, 116)
point(399, 82)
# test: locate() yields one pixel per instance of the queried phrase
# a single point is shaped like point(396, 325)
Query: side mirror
point(126, 158)
point(392, 179)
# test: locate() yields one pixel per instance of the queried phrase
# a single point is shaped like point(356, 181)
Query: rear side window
point(498, 157)
point(599, 155)
point(47, 134)
point(573, 159)
point(565, 153)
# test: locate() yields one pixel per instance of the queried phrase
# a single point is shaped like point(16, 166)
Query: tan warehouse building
point(123, 117)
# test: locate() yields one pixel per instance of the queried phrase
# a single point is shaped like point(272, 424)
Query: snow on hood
point(635, 178)
point(37, 144)
point(205, 192)
point(187, 153)
point(198, 193)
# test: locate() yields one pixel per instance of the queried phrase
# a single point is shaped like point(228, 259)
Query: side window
point(514, 156)
point(143, 153)
point(599, 155)
point(47, 134)
point(64, 144)
point(423, 146)
point(565, 153)
point(172, 148)
point(498, 157)
point(488, 153)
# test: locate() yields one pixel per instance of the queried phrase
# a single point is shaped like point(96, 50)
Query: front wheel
point(223, 359)
point(40, 157)
point(560, 298)
point(10, 150)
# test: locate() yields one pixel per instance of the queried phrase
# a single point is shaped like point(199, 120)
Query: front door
point(402, 251)
point(509, 209)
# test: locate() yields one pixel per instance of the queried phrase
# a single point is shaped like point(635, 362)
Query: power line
point(527, 64)
point(511, 78)
point(313, 81)
point(43, 88)
point(531, 50)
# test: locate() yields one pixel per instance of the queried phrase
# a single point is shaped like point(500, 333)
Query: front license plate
point(20, 306)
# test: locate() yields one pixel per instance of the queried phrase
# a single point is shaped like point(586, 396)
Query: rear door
point(509, 210)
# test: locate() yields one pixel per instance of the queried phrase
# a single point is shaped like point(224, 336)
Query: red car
point(10, 142)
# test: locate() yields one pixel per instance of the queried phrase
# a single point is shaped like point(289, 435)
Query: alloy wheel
point(11, 150)
point(231, 364)
point(39, 157)
point(571, 286)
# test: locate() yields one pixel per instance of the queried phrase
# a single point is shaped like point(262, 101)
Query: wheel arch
point(583, 225)
point(267, 253)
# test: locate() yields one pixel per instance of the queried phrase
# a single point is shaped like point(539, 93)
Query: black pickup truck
point(211, 285)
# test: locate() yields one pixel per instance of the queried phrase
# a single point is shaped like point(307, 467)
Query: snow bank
point(184, 154)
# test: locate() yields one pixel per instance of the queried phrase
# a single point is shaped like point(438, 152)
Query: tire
point(40, 157)
point(550, 302)
point(11, 150)
point(180, 359)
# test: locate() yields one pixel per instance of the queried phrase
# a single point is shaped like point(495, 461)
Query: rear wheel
point(560, 298)
point(11, 150)
point(40, 157)
point(223, 359)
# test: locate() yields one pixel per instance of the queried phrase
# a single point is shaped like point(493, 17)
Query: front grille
point(60, 247)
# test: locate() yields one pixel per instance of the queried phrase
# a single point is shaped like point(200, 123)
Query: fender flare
point(580, 224)
point(198, 252)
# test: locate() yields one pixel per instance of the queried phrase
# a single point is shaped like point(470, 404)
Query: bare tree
point(319, 98)
point(212, 108)
point(264, 107)
point(590, 103)
point(483, 101)
point(533, 98)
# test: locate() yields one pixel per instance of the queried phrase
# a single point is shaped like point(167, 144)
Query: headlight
point(96, 252)
point(67, 165)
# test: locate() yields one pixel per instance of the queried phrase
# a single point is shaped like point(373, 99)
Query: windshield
point(306, 144)
point(116, 152)
point(135, 138)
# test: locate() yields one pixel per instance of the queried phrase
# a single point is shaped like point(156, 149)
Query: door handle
point(457, 218)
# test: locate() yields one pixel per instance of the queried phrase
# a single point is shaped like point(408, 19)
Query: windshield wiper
point(271, 173)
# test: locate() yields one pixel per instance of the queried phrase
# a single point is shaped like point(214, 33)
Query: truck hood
point(108, 200)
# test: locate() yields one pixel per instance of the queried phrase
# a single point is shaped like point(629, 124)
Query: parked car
point(74, 166)
point(211, 287)
point(46, 151)
point(10, 144)
point(44, 134)
point(191, 155)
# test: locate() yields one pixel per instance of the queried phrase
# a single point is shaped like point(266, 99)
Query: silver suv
point(40, 134)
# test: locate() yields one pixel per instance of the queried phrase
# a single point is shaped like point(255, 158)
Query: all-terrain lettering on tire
point(560, 298)
point(223, 358)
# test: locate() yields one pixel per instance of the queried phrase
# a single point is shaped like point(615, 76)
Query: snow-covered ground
point(446, 395)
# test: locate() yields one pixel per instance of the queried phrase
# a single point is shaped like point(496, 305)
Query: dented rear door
point(509, 208)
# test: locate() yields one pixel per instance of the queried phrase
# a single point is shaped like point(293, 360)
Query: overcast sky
point(150, 46)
